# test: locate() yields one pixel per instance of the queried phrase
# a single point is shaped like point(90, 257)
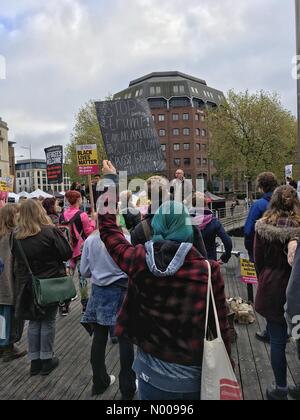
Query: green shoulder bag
point(49, 291)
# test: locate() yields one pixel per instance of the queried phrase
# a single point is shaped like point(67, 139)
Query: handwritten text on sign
point(130, 137)
point(248, 272)
point(87, 158)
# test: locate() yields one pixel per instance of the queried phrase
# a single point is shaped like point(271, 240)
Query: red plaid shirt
point(165, 317)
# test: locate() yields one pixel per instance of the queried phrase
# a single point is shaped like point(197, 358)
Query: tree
point(86, 131)
point(250, 134)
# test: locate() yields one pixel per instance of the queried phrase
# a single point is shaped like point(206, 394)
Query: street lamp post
point(30, 160)
point(297, 5)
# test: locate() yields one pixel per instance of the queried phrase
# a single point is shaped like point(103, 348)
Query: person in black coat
point(292, 307)
point(46, 250)
point(211, 228)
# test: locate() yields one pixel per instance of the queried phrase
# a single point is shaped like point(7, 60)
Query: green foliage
point(250, 134)
point(86, 131)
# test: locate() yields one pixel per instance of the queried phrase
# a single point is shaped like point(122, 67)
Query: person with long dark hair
point(280, 224)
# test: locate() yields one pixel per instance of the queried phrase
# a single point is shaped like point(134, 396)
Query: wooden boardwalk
point(72, 380)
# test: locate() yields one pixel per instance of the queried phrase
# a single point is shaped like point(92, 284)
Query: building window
point(162, 133)
point(186, 146)
point(186, 131)
point(204, 147)
point(198, 132)
point(204, 162)
point(175, 89)
point(203, 133)
point(175, 117)
point(193, 90)
point(198, 147)
point(188, 176)
point(187, 162)
point(177, 162)
point(186, 117)
point(18, 174)
point(163, 147)
point(197, 117)
point(23, 175)
point(155, 90)
point(181, 89)
point(153, 118)
point(198, 162)
point(161, 118)
point(176, 132)
point(202, 118)
point(176, 147)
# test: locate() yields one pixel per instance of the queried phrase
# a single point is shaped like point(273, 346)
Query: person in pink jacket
point(3, 199)
point(80, 228)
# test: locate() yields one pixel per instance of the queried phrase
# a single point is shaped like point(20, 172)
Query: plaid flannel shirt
point(165, 317)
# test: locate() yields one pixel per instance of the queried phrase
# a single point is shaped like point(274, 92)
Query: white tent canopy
point(38, 194)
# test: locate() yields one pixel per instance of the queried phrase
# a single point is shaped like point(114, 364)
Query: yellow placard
point(247, 268)
point(7, 184)
point(87, 155)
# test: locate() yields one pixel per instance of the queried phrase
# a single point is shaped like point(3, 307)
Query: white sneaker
point(112, 380)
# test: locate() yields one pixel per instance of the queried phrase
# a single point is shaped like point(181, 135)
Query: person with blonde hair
point(8, 349)
point(39, 244)
point(280, 224)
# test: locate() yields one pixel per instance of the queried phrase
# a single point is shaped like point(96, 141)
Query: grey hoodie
point(165, 259)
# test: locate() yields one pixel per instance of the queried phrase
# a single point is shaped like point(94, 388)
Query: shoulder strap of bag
point(147, 230)
point(210, 295)
point(19, 245)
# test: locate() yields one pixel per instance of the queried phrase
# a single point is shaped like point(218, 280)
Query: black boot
point(11, 353)
point(36, 367)
point(49, 366)
point(263, 337)
point(294, 392)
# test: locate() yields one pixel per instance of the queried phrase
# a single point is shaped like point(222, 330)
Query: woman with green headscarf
point(165, 308)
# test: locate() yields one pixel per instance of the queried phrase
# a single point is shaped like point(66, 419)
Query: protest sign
point(248, 272)
point(7, 184)
point(54, 160)
point(130, 137)
point(87, 157)
point(289, 171)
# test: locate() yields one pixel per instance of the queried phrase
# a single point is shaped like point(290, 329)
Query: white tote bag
point(219, 382)
point(2, 328)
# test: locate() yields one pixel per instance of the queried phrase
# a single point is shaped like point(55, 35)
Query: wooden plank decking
point(72, 380)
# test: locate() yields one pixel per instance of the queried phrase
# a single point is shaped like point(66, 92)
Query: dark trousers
point(278, 340)
point(100, 377)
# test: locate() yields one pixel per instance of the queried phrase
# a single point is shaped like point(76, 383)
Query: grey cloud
point(62, 53)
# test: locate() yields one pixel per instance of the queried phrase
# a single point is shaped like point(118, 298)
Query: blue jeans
point(41, 336)
point(148, 392)
point(278, 340)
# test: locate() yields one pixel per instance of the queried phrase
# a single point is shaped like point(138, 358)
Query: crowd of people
point(143, 279)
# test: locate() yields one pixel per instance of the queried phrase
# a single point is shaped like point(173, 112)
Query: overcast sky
point(61, 53)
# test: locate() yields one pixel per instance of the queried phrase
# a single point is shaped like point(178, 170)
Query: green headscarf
point(172, 223)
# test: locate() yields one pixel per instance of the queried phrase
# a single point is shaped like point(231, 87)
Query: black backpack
point(67, 228)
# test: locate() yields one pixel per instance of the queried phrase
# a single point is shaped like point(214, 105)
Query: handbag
point(219, 382)
point(49, 291)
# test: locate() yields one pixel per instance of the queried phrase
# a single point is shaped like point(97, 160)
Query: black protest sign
point(130, 137)
point(54, 159)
